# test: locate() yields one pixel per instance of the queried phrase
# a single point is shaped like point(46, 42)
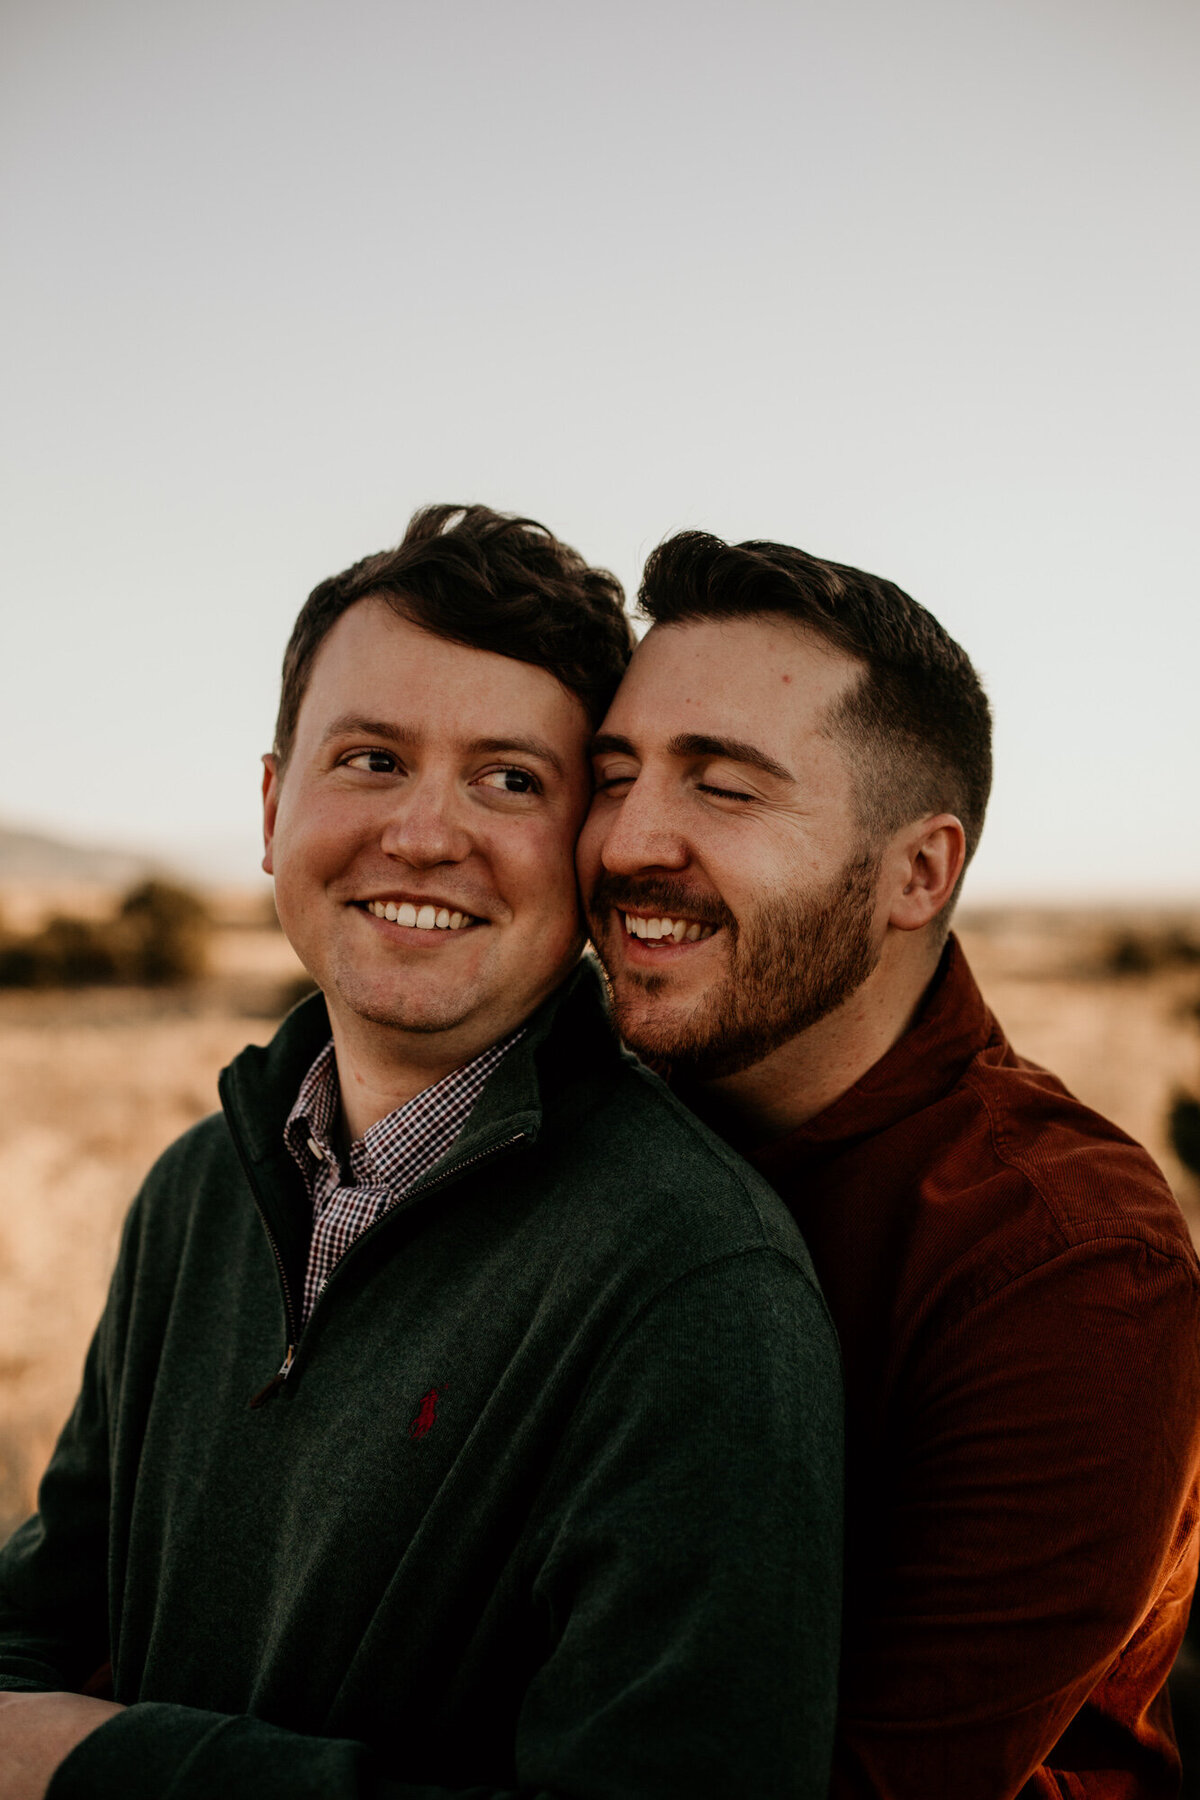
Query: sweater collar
point(259, 1088)
point(951, 1026)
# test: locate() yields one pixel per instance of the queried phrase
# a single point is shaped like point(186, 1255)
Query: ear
point(930, 860)
point(270, 794)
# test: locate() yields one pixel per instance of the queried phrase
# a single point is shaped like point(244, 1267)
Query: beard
point(791, 962)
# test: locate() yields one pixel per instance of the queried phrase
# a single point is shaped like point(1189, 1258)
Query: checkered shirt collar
point(398, 1149)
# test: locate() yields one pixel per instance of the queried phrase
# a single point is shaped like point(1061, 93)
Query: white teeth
point(680, 931)
point(429, 918)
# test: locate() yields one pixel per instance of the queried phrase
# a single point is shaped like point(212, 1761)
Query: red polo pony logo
point(426, 1417)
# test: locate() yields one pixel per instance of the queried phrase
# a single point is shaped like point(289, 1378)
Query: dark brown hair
point(917, 725)
point(486, 579)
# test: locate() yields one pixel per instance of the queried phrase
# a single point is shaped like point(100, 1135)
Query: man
point(789, 784)
point(464, 1418)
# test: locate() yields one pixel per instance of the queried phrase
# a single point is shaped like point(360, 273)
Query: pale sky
point(912, 286)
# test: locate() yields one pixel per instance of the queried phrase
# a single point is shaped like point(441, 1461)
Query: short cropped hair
point(917, 724)
point(489, 580)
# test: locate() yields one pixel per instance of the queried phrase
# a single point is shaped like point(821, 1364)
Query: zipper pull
point(277, 1380)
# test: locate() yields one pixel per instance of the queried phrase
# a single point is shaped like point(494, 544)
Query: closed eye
point(609, 774)
point(706, 787)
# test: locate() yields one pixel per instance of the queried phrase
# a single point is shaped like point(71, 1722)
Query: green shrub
point(74, 953)
point(1129, 953)
point(164, 934)
point(1134, 952)
point(1183, 1126)
point(18, 965)
point(159, 938)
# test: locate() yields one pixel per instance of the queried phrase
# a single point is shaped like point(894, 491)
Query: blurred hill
point(34, 856)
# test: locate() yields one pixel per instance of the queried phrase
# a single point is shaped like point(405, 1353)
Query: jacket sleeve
point(1043, 1538)
point(685, 1551)
point(54, 1569)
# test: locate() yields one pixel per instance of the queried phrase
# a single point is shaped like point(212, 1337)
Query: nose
point(425, 826)
point(639, 831)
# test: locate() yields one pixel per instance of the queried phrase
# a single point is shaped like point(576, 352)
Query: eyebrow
point(606, 743)
point(355, 724)
point(523, 746)
point(692, 744)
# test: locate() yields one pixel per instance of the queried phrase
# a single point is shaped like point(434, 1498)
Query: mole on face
point(785, 679)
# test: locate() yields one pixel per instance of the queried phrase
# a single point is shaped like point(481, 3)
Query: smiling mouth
point(663, 930)
point(425, 917)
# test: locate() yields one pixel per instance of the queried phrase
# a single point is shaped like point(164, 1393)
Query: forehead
point(378, 665)
point(762, 680)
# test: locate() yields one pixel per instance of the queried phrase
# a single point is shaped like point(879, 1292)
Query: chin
point(653, 1031)
point(412, 1019)
point(406, 1011)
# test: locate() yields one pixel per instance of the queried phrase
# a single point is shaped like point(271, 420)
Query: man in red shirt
point(790, 783)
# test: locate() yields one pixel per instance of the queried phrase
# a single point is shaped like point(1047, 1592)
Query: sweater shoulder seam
point(709, 1147)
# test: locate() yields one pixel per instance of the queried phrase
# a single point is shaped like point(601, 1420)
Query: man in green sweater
point(464, 1419)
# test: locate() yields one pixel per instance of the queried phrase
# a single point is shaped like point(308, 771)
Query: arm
point(37, 1731)
point(54, 1601)
point(1044, 1502)
point(684, 1556)
point(54, 1569)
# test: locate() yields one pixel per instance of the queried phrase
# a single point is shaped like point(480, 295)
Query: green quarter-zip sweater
point(547, 1505)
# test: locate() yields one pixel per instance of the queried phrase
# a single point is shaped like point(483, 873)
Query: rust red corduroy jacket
point(1019, 1308)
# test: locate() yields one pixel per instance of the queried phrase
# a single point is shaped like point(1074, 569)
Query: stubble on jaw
point(791, 963)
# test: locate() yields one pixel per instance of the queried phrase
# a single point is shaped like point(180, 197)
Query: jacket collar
point(260, 1086)
point(566, 1038)
point(952, 1025)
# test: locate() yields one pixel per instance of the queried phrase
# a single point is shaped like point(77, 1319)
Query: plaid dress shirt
point(385, 1162)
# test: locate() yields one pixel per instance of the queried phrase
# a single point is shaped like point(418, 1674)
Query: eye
point(721, 793)
point(614, 780)
point(511, 781)
point(376, 762)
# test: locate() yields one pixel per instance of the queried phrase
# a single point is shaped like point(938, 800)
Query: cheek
point(311, 834)
point(591, 842)
point(541, 875)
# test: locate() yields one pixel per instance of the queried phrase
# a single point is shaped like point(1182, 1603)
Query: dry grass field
point(93, 1084)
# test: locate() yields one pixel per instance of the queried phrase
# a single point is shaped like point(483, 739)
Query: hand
point(37, 1731)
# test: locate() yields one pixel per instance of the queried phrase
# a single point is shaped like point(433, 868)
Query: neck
point(380, 1068)
point(812, 1070)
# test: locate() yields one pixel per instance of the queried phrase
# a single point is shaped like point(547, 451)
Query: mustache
point(658, 895)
